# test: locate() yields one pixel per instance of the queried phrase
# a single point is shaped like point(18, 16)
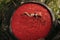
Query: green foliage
point(54, 6)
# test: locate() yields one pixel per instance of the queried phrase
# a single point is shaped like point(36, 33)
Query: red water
point(31, 28)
